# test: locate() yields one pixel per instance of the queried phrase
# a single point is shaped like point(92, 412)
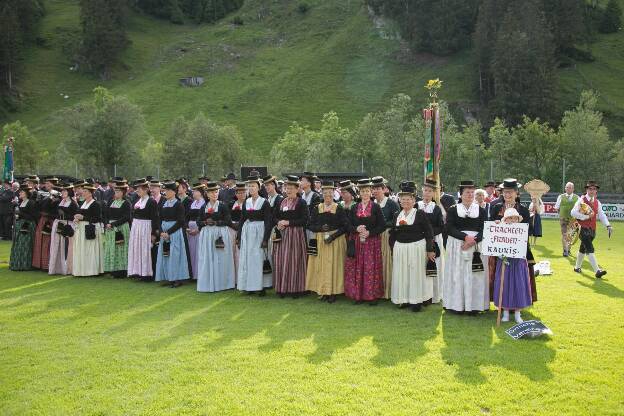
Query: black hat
point(121, 185)
point(90, 181)
point(592, 184)
point(253, 179)
point(466, 184)
point(378, 181)
point(155, 182)
point(211, 186)
point(25, 187)
point(80, 184)
point(89, 187)
point(149, 178)
point(32, 178)
point(364, 183)
point(407, 188)
point(316, 179)
point(430, 183)
point(291, 180)
point(140, 182)
point(118, 179)
point(203, 178)
point(327, 185)
point(241, 186)
point(53, 180)
point(230, 176)
point(345, 184)
point(269, 178)
point(307, 175)
point(511, 183)
point(489, 183)
point(198, 186)
point(170, 185)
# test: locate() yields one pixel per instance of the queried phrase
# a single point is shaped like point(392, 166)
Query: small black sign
point(528, 329)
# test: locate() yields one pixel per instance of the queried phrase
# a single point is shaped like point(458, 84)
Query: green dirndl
point(22, 248)
point(116, 255)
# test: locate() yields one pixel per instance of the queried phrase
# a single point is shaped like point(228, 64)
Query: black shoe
point(282, 295)
point(262, 293)
point(357, 302)
point(372, 303)
point(322, 298)
point(577, 270)
point(331, 299)
point(416, 308)
point(600, 273)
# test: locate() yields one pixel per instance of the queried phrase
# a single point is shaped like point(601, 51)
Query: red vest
point(591, 221)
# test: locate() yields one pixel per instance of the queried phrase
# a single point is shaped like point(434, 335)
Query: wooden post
point(500, 293)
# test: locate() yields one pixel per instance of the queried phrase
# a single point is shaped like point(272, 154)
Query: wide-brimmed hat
point(203, 178)
point(364, 183)
point(269, 178)
point(327, 185)
point(589, 184)
point(307, 175)
point(52, 179)
point(407, 188)
point(253, 179)
point(347, 184)
point(430, 183)
point(140, 182)
point(198, 186)
point(241, 186)
point(378, 181)
point(211, 186)
point(121, 185)
point(466, 184)
point(512, 212)
point(169, 185)
point(490, 183)
point(230, 176)
point(291, 180)
point(90, 187)
point(511, 183)
point(32, 178)
point(118, 179)
point(155, 182)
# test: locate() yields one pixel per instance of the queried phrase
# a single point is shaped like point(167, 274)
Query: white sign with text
point(509, 240)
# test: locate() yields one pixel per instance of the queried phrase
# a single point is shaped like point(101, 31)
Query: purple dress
point(517, 285)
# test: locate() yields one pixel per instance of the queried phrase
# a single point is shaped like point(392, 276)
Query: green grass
point(266, 74)
point(104, 346)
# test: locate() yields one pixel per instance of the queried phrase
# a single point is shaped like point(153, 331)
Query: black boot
point(417, 308)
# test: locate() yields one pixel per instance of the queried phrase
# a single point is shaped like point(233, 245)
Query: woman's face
point(328, 196)
point(213, 195)
point(119, 194)
point(467, 195)
point(511, 220)
point(197, 195)
point(64, 194)
point(22, 195)
point(87, 194)
point(407, 202)
point(480, 198)
point(509, 195)
point(427, 193)
point(170, 194)
point(270, 187)
point(378, 193)
point(346, 196)
point(291, 190)
point(241, 194)
point(366, 193)
point(182, 190)
point(253, 189)
point(141, 191)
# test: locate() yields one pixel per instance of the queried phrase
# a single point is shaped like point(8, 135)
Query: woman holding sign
point(515, 290)
point(466, 286)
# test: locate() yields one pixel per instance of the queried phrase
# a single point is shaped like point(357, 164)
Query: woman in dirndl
point(275, 200)
point(466, 283)
point(435, 215)
point(172, 262)
point(389, 208)
point(289, 254)
point(117, 233)
point(88, 256)
point(142, 233)
point(193, 216)
point(364, 271)
point(253, 236)
point(215, 264)
point(47, 208)
point(24, 231)
point(62, 241)
point(411, 238)
point(325, 274)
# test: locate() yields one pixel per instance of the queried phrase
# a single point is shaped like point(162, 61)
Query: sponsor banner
point(615, 212)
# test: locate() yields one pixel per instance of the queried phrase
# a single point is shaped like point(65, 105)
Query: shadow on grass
point(470, 346)
point(602, 287)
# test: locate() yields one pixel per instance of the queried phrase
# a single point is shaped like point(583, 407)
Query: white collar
point(408, 218)
point(427, 208)
point(215, 207)
point(382, 203)
point(470, 212)
point(86, 205)
point(249, 204)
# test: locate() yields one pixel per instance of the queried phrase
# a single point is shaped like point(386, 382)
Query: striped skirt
point(289, 261)
point(325, 274)
point(41, 250)
point(88, 256)
point(116, 255)
point(215, 266)
point(61, 251)
point(175, 266)
point(251, 259)
point(409, 281)
point(22, 248)
point(140, 248)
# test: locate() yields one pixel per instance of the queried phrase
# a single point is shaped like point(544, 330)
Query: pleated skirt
point(516, 285)
point(116, 255)
point(61, 251)
point(464, 290)
point(325, 273)
point(41, 249)
point(215, 266)
point(22, 247)
point(290, 261)
point(251, 258)
point(88, 255)
point(175, 266)
point(410, 284)
point(364, 272)
point(140, 249)
point(387, 262)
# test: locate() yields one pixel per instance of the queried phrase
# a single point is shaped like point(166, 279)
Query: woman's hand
point(361, 228)
point(365, 233)
point(264, 244)
point(164, 235)
point(283, 224)
point(431, 255)
point(109, 226)
point(78, 217)
point(209, 221)
point(324, 227)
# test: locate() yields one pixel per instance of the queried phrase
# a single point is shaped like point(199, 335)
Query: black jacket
point(420, 229)
point(264, 214)
point(375, 224)
point(337, 221)
point(456, 225)
point(297, 217)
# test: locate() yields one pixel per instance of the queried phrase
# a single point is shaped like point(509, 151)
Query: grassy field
point(274, 69)
point(104, 346)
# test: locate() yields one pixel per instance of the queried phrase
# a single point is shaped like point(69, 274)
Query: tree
point(611, 20)
point(565, 19)
point(103, 34)
point(524, 65)
point(27, 154)
point(108, 131)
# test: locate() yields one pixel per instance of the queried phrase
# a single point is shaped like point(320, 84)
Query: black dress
point(327, 221)
point(264, 214)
